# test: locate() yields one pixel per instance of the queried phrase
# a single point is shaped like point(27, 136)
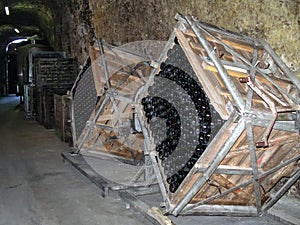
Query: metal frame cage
point(245, 137)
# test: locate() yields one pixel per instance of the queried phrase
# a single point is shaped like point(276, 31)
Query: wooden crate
point(57, 72)
point(39, 107)
point(48, 108)
point(52, 76)
point(62, 117)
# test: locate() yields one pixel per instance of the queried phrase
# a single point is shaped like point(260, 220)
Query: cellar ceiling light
point(6, 10)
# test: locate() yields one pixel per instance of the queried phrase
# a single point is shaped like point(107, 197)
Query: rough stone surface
point(275, 21)
point(73, 30)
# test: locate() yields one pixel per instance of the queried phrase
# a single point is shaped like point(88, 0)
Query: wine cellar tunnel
point(184, 109)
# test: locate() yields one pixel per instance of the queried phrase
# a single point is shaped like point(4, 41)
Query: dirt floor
point(37, 188)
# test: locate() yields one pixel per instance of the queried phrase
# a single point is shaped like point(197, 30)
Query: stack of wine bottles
point(180, 117)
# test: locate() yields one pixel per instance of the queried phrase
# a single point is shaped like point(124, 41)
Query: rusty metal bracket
point(259, 89)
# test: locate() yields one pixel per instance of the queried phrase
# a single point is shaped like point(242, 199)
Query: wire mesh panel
point(84, 98)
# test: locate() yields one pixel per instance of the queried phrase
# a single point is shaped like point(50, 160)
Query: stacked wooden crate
point(53, 76)
point(62, 117)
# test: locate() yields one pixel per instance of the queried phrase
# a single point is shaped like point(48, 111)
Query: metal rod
point(159, 178)
point(106, 127)
point(281, 64)
point(222, 31)
point(106, 72)
point(116, 111)
point(91, 126)
point(211, 168)
point(282, 190)
point(148, 173)
point(273, 170)
point(251, 146)
point(222, 71)
point(229, 171)
point(218, 195)
point(252, 77)
point(73, 127)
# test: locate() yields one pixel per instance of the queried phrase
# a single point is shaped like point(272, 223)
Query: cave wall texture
point(122, 21)
point(73, 31)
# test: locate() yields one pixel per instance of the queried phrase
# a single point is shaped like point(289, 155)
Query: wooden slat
point(234, 44)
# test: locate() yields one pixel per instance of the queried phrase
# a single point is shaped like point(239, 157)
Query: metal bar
point(278, 167)
point(148, 173)
point(145, 191)
point(92, 124)
point(138, 174)
point(123, 98)
point(104, 155)
point(282, 190)
point(281, 64)
point(159, 178)
point(147, 141)
point(230, 171)
point(116, 110)
point(230, 34)
point(252, 77)
point(236, 95)
point(73, 127)
point(251, 146)
point(211, 168)
point(81, 165)
point(102, 55)
point(279, 125)
point(122, 49)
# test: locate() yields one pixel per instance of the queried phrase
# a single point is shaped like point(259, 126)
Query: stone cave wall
point(77, 22)
point(73, 28)
point(276, 21)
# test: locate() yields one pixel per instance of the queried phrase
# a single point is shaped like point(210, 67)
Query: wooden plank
point(237, 44)
point(243, 74)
